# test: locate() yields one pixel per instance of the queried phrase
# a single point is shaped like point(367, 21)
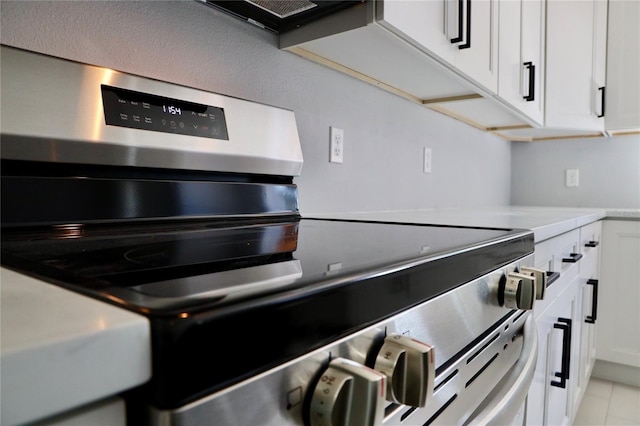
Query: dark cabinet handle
point(532, 82)
point(591, 319)
point(552, 277)
point(567, 344)
point(573, 258)
point(467, 44)
point(602, 94)
point(564, 324)
point(592, 244)
point(458, 39)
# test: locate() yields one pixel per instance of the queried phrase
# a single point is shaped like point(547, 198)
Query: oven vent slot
point(408, 413)
point(485, 346)
point(445, 381)
point(475, 376)
point(390, 409)
point(441, 410)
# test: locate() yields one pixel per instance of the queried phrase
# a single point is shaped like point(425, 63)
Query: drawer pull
point(591, 319)
point(602, 97)
point(532, 82)
point(467, 43)
point(552, 277)
point(592, 244)
point(573, 258)
point(564, 324)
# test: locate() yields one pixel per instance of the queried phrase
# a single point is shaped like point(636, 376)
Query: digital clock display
point(137, 110)
point(172, 109)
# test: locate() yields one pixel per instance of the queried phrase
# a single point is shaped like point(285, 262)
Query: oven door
point(505, 405)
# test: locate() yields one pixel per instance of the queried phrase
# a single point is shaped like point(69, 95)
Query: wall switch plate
point(426, 167)
point(337, 145)
point(572, 177)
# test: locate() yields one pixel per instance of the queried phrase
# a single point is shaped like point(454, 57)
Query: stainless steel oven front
point(458, 358)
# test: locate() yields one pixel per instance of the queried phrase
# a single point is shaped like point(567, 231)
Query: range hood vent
point(284, 8)
point(280, 16)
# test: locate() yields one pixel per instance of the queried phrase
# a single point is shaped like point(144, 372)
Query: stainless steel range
point(181, 205)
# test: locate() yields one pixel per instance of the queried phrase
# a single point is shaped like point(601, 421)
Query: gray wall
point(609, 172)
point(188, 43)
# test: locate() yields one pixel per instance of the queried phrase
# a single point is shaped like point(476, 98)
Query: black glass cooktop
point(197, 265)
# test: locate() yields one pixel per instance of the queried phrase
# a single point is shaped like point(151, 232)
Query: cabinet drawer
point(549, 255)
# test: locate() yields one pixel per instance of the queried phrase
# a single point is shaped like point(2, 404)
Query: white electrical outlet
point(572, 177)
point(426, 167)
point(337, 145)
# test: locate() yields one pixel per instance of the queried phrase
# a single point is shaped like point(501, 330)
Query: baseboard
point(618, 373)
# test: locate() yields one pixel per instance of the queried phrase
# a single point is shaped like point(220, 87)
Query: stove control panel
point(409, 366)
point(348, 393)
point(137, 110)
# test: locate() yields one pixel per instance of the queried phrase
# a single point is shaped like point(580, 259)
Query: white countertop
point(60, 350)
point(545, 222)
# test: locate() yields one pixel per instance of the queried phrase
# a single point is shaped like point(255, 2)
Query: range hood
point(280, 16)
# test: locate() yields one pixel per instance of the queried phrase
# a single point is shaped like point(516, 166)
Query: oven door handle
point(509, 396)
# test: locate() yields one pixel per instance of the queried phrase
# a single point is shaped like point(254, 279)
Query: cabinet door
point(619, 301)
point(576, 32)
point(590, 239)
point(623, 66)
point(589, 288)
point(565, 329)
point(550, 400)
point(521, 56)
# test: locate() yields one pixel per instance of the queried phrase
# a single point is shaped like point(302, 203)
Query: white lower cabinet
point(619, 304)
point(566, 334)
point(550, 400)
point(589, 288)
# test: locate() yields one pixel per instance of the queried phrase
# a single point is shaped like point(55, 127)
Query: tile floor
point(609, 404)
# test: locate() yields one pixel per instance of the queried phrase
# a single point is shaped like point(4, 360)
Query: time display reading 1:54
point(171, 109)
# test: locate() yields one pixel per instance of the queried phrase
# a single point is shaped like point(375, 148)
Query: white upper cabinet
point(524, 69)
point(623, 66)
point(521, 53)
point(576, 64)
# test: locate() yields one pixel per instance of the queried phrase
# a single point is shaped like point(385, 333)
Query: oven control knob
point(518, 291)
point(348, 393)
point(541, 280)
point(410, 369)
